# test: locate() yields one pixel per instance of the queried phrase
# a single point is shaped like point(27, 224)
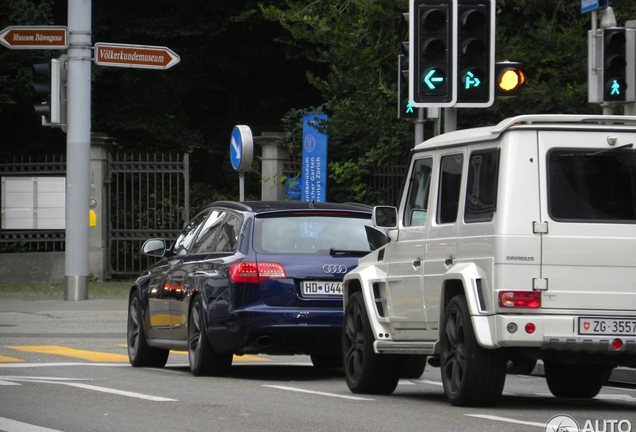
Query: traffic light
point(476, 53)
point(509, 77)
point(616, 87)
point(432, 53)
point(406, 110)
point(50, 108)
point(612, 65)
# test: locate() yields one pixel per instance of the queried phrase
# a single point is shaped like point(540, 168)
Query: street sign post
point(135, 56)
point(34, 37)
point(241, 154)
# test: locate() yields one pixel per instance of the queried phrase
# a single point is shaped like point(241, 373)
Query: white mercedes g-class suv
point(511, 243)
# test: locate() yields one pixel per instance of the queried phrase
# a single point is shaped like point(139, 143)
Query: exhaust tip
point(265, 341)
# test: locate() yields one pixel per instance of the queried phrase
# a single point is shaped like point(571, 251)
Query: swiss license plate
point(321, 288)
point(607, 326)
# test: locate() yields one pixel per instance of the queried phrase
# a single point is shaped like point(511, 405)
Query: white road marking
point(35, 365)
point(16, 426)
point(507, 420)
point(424, 381)
point(317, 393)
point(67, 382)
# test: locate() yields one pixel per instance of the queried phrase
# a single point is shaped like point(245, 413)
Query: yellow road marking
point(236, 357)
point(6, 359)
point(70, 352)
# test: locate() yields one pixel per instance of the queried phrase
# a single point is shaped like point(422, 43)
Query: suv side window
point(481, 188)
point(449, 186)
point(205, 241)
point(417, 201)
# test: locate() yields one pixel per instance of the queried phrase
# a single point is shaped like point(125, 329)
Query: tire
point(471, 375)
point(139, 353)
point(412, 366)
point(521, 366)
point(203, 360)
point(365, 371)
point(326, 361)
point(575, 381)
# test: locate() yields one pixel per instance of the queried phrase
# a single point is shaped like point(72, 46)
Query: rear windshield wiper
point(610, 150)
point(334, 251)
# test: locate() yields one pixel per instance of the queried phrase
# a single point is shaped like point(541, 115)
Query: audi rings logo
point(334, 268)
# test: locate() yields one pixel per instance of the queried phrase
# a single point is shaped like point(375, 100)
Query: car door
point(441, 244)
point(165, 283)
point(197, 264)
point(405, 303)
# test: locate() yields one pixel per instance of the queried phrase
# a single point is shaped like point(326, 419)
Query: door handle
point(449, 261)
point(417, 263)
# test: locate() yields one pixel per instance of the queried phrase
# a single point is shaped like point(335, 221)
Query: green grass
point(55, 291)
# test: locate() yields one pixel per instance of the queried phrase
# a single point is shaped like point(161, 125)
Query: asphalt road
point(63, 367)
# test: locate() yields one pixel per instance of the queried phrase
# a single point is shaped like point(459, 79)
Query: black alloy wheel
point(139, 353)
point(203, 360)
point(365, 371)
point(472, 375)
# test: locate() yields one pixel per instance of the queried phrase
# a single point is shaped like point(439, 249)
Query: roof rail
point(562, 118)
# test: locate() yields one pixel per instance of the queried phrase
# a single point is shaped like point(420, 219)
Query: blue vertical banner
point(314, 178)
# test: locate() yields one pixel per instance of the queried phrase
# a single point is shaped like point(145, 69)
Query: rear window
point(307, 234)
point(592, 186)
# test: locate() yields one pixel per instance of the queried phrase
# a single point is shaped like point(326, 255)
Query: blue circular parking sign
point(241, 148)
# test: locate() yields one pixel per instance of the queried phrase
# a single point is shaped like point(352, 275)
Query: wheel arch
point(465, 279)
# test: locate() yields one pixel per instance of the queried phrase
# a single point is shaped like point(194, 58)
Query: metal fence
point(385, 182)
point(149, 196)
point(33, 240)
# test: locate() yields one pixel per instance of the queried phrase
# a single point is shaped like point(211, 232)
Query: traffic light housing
point(475, 53)
point(612, 65)
point(406, 110)
point(509, 78)
point(433, 25)
point(53, 91)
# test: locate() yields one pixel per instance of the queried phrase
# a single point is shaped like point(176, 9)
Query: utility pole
point(78, 142)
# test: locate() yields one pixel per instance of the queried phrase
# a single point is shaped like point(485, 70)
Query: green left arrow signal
point(434, 79)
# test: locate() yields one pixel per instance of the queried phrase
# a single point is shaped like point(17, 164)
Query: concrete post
point(273, 158)
point(98, 234)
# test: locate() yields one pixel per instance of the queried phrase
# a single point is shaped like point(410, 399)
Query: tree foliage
point(265, 64)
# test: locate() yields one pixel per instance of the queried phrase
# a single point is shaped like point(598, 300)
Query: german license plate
point(321, 288)
point(607, 326)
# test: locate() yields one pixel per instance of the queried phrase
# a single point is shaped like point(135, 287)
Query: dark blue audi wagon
point(249, 278)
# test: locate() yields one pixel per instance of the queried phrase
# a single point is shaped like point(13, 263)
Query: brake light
point(520, 299)
point(251, 272)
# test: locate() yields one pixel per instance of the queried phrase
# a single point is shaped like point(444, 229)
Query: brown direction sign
point(34, 37)
point(136, 56)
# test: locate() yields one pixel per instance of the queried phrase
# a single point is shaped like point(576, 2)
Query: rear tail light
point(252, 272)
point(520, 299)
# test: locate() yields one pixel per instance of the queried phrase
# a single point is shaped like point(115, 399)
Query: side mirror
point(154, 247)
point(385, 217)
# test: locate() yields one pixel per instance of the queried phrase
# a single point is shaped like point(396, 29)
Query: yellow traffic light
point(509, 78)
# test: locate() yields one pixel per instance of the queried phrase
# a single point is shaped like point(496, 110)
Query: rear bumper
point(553, 333)
point(282, 331)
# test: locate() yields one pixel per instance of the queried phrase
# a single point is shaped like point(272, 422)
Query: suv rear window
point(316, 234)
point(592, 186)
